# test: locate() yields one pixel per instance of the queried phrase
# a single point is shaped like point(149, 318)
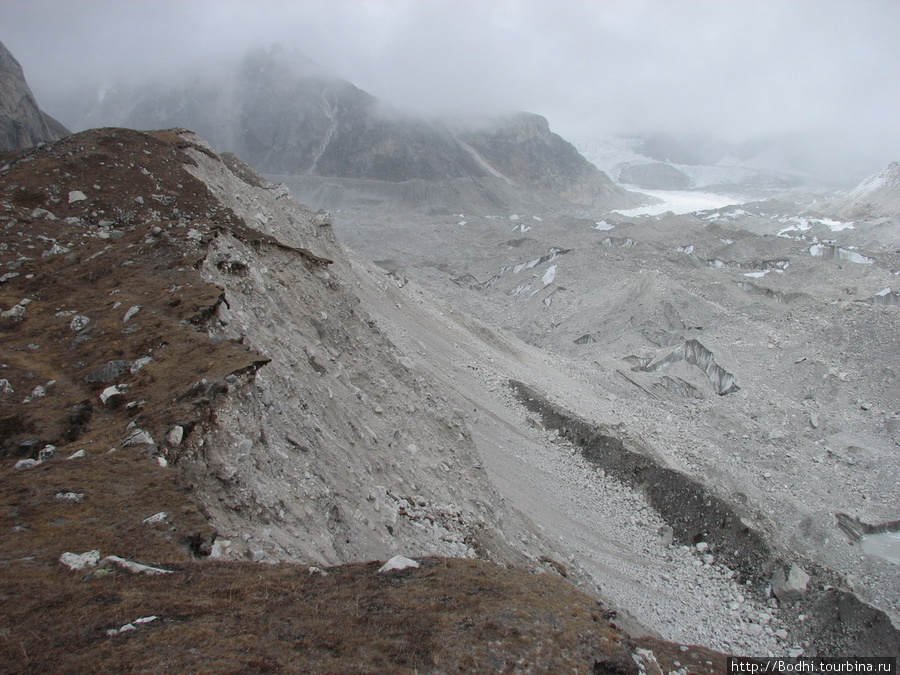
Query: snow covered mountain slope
point(878, 195)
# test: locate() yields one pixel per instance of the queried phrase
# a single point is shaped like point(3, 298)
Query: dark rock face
point(523, 148)
point(22, 124)
point(288, 118)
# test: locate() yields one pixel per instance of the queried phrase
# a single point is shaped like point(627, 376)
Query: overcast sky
point(738, 68)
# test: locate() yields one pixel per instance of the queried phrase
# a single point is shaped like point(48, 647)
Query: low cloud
point(738, 69)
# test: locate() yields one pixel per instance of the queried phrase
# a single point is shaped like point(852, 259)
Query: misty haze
point(579, 318)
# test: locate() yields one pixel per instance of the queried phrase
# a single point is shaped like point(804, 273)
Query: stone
point(702, 547)
point(76, 196)
point(46, 453)
point(79, 323)
point(666, 535)
point(220, 548)
point(140, 363)
point(69, 497)
point(223, 314)
point(80, 561)
point(111, 561)
point(753, 629)
point(398, 562)
point(38, 392)
point(130, 313)
point(77, 455)
point(43, 213)
point(175, 436)
point(114, 396)
point(790, 586)
point(156, 518)
point(139, 437)
point(26, 463)
point(14, 312)
point(6, 387)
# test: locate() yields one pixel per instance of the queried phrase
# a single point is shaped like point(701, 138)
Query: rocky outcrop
point(22, 123)
point(522, 148)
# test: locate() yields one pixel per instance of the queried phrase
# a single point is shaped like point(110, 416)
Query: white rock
point(79, 561)
point(318, 570)
point(702, 547)
point(130, 313)
point(26, 463)
point(79, 323)
point(156, 518)
point(139, 437)
point(113, 396)
point(77, 455)
point(44, 213)
point(131, 566)
point(790, 586)
point(69, 497)
point(398, 562)
point(175, 436)
point(6, 387)
point(38, 392)
point(220, 548)
point(76, 196)
point(140, 363)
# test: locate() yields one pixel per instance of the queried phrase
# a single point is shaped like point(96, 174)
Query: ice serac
point(22, 123)
point(696, 354)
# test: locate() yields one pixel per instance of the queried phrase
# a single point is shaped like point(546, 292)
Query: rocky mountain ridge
point(22, 123)
point(333, 143)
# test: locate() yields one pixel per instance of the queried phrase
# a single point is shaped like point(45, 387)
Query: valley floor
point(809, 430)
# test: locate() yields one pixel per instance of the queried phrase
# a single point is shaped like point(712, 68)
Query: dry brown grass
point(447, 616)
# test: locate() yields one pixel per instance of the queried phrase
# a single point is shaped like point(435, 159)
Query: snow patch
point(680, 202)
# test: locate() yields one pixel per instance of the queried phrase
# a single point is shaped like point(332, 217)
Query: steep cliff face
point(288, 118)
point(21, 121)
point(522, 148)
